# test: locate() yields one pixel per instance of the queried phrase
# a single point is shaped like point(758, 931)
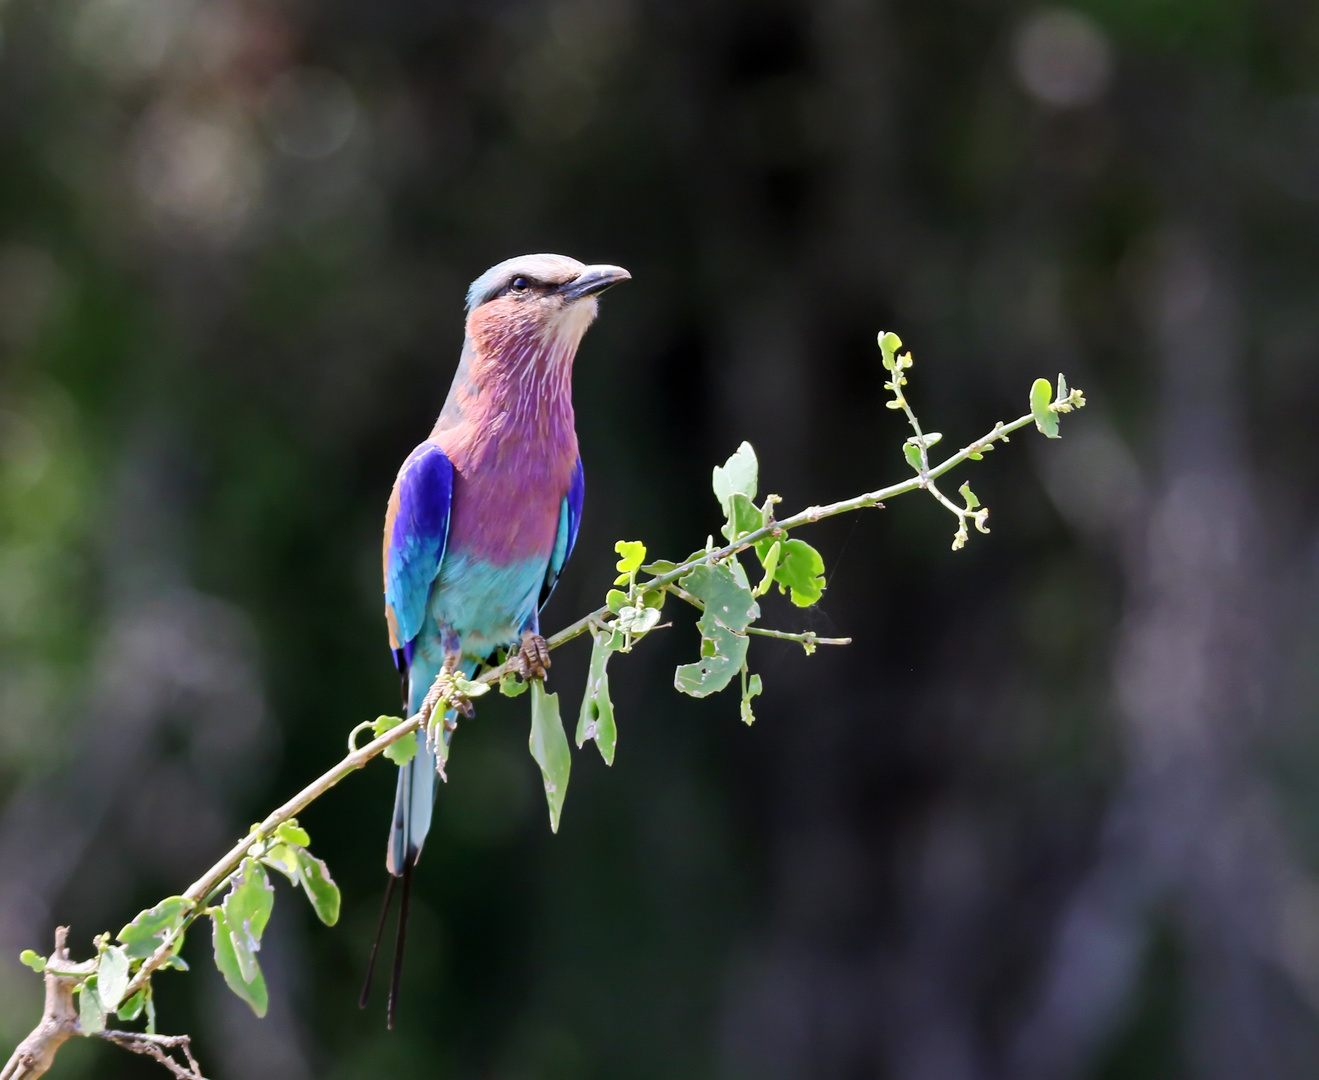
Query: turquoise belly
point(487, 606)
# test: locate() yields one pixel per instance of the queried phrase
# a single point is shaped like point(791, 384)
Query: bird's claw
point(533, 660)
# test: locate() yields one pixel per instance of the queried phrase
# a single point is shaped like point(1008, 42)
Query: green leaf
point(765, 545)
point(744, 517)
point(382, 724)
point(319, 886)
point(771, 564)
point(132, 1008)
point(1041, 396)
point(634, 554)
point(912, 447)
point(151, 1012)
point(91, 1015)
point(253, 990)
point(663, 566)
point(637, 620)
point(403, 751)
point(1062, 387)
point(970, 496)
point(549, 747)
point(145, 934)
point(112, 977)
point(32, 960)
point(250, 900)
point(722, 654)
point(239, 924)
point(801, 569)
point(283, 858)
point(293, 833)
point(740, 473)
point(724, 595)
point(469, 687)
point(751, 687)
point(596, 719)
point(660, 566)
point(615, 600)
point(655, 599)
point(510, 686)
point(889, 343)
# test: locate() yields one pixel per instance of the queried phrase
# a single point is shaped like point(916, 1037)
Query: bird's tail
point(414, 801)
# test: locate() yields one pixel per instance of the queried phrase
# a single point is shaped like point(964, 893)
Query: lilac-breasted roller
point(484, 513)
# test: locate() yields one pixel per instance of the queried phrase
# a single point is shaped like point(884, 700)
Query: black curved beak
point(593, 281)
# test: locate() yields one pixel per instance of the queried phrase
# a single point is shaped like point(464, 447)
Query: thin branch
point(215, 877)
point(807, 638)
point(812, 514)
point(159, 1047)
point(60, 1020)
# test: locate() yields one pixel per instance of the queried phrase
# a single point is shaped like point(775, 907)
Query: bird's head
point(536, 304)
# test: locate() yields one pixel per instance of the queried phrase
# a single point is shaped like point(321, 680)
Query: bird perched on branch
point(484, 514)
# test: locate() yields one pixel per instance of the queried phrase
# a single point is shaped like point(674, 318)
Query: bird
point(483, 516)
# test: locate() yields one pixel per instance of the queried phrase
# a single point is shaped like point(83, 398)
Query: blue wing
point(416, 528)
point(570, 518)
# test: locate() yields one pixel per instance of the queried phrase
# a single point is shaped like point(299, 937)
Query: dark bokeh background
point(1051, 816)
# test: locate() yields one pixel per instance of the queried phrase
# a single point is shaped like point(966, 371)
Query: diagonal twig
point(160, 1048)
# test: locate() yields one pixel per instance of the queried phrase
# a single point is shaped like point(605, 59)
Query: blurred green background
point(1051, 816)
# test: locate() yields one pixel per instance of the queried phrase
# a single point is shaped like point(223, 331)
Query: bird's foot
point(448, 688)
point(533, 659)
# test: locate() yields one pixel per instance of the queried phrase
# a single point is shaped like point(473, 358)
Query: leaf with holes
point(243, 977)
point(722, 653)
point(596, 719)
point(724, 591)
point(238, 926)
point(751, 687)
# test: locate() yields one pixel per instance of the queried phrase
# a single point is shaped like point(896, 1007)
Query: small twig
point(159, 1048)
point(807, 638)
point(683, 594)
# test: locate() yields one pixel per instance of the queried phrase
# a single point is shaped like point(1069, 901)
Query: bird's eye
point(520, 284)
